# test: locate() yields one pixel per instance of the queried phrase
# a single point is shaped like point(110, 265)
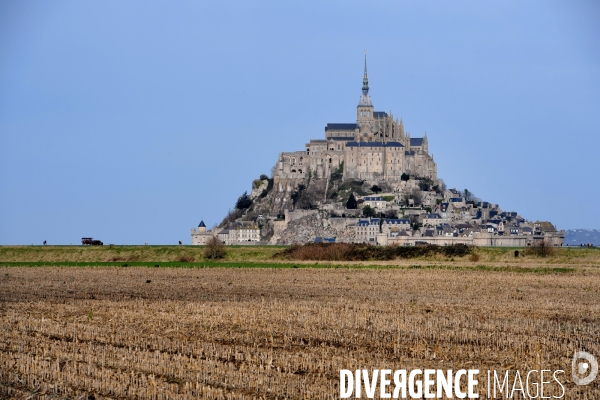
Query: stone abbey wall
point(367, 158)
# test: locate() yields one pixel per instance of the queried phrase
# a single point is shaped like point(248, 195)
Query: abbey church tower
point(365, 116)
point(374, 149)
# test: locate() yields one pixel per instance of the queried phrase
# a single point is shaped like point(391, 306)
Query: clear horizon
point(123, 121)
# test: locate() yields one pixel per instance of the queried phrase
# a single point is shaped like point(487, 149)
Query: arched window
point(301, 159)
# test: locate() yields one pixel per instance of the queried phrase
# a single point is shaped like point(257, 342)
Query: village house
point(432, 219)
point(367, 230)
point(392, 227)
point(242, 232)
point(377, 202)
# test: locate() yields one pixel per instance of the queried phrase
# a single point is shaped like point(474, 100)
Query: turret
point(201, 227)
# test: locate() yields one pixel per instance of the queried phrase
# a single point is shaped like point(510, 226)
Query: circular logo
point(584, 363)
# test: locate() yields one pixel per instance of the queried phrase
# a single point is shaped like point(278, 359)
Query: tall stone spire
point(365, 88)
point(365, 99)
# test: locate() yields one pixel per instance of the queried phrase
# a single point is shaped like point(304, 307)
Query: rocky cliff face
point(306, 229)
point(258, 186)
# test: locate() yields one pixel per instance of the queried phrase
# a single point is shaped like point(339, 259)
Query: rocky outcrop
point(306, 229)
point(257, 188)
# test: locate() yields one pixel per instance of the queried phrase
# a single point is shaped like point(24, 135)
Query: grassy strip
point(194, 255)
point(225, 264)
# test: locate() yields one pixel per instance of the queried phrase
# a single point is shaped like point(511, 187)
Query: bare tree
point(391, 213)
point(541, 249)
point(443, 185)
point(415, 196)
point(214, 249)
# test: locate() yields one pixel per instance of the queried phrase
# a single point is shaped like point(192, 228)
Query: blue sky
point(132, 121)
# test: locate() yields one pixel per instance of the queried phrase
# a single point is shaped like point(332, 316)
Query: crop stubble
point(272, 333)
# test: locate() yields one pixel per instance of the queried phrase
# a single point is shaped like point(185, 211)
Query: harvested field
point(180, 333)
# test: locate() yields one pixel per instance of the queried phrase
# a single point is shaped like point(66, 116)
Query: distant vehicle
point(91, 242)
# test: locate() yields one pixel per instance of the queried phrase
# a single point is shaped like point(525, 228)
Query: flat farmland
point(274, 333)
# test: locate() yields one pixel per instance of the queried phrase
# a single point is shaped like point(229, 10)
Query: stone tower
point(365, 116)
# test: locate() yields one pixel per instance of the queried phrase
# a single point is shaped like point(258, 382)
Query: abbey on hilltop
point(374, 148)
point(368, 182)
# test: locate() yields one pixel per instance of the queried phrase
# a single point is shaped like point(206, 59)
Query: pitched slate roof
point(374, 198)
point(393, 221)
point(396, 221)
point(341, 127)
point(394, 144)
point(433, 216)
point(341, 138)
point(201, 225)
point(409, 153)
point(416, 141)
point(374, 144)
point(364, 144)
point(379, 114)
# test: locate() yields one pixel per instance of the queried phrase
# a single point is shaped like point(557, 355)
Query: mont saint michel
point(369, 181)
